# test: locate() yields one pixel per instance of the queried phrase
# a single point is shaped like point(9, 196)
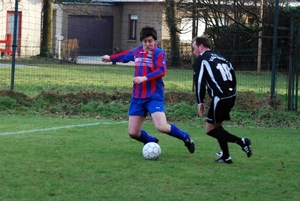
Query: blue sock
point(176, 132)
point(145, 137)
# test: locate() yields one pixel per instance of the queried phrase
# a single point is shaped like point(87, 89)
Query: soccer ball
point(151, 151)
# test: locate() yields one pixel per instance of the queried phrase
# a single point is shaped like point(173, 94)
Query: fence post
point(14, 46)
point(274, 54)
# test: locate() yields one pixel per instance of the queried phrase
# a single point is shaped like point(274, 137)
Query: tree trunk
point(46, 44)
point(173, 30)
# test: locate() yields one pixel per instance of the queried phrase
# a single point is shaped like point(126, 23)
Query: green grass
point(100, 162)
point(52, 148)
point(71, 78)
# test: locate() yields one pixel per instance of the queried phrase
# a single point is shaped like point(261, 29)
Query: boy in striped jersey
point(214, 72)
point(148, 89)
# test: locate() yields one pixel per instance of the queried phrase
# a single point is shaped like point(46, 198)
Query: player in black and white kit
point(214, 74)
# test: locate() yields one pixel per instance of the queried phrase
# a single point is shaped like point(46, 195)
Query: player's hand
point(105, 58)
point(139, 79)
point(201, 108)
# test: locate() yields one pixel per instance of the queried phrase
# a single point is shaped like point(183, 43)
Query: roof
point(106, 2)
point(293, 3)
point(128, 1)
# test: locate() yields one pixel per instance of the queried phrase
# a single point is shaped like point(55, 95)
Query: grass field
point(58, 148)
point(53, 158)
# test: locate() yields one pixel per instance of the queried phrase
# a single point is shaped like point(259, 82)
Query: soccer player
point(214, 72)
point(148, 90)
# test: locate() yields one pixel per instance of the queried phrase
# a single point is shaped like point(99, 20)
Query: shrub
point(69, 50)
point(7, 103)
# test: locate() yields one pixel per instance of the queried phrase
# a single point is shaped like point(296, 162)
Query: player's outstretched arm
point(119, 57)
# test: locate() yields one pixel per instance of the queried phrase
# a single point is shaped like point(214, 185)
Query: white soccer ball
point(151, 151)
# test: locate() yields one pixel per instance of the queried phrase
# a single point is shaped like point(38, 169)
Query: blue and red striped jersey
point(151, 64)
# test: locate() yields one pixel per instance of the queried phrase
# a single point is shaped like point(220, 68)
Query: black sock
point(224, 148)
point(223, 135)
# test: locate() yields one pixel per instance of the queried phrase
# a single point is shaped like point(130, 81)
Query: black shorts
point(220, 108)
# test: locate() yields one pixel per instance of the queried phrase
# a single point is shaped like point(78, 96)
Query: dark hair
point(202, 40)
point(148, 31)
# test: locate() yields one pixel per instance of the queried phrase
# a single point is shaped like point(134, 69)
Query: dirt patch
point(245, 100)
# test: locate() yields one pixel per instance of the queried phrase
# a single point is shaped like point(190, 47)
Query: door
point(94, 34)
point(11, 27)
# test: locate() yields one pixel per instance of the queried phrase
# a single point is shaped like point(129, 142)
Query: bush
point(69, 50)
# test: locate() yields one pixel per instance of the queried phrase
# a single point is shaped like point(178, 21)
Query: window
point(132, 26)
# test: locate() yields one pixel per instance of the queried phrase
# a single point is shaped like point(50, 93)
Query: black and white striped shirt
point(215, 72)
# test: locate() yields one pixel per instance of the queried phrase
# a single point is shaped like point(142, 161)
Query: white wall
point(30, 24)
point(58, 25)
point(186, 27)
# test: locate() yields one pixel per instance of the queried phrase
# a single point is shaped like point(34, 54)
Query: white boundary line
point(60, 127)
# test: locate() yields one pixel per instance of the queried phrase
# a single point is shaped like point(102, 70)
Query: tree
point(239, 25)
point(46, 44)
point(171, 21)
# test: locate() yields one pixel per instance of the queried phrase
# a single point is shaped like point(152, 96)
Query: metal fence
point(47, 74)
